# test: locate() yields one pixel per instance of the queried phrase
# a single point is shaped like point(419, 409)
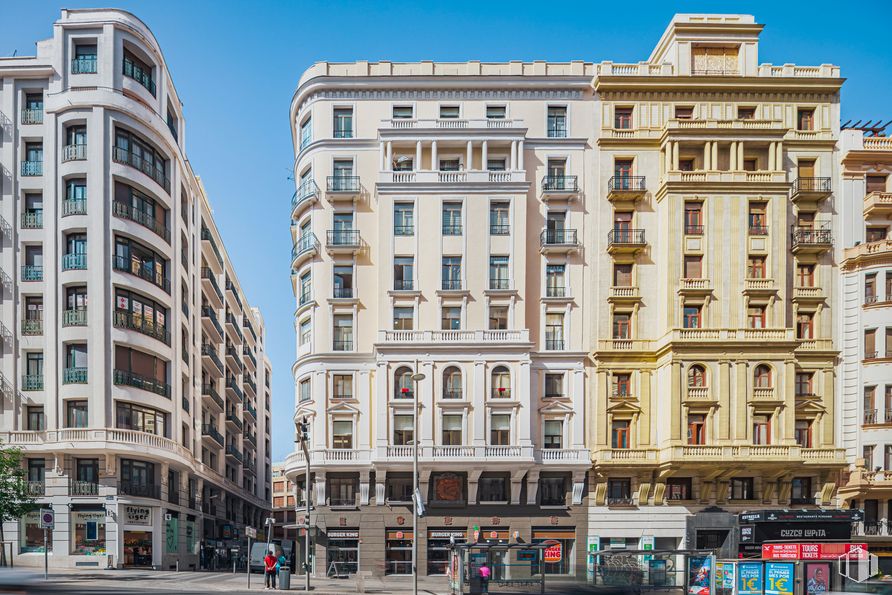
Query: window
point(870, 288)
point(498, 318)
point(403, 318)
point(306, 133)
point(495, 112)
point(399, 487)
point(619, 491)
point(557, 121)
point(500, 429)
point(692, 317)
point(622, 275)
point(76, 414)
point(450, 164)
point(555, 280)
point(403, 273)
point(143, 262)
point(493, 489)
point(554, 434)
point(451, 272)
point(621, 384)
point(342, 434)
point(449, 111)
point(802, 433)
point(746, 113)
point(875, 234)
point(498, 272)
point(693, 218)
point(622, 326)
point(342, 491)
point(403, 430)
point(755, 317)
point(552, 491)
point(403, 219)
point(693, 267)
point(343, 332)
point(36, 419)
point(805, 275)
point(805, 325)
point(402, 383)
point(554, 331)
point(134, 151)
point(130, 416)
point(619, 434)
point(679, 488)
point(497, 164)
point(870, 345)
point(686, 164)
point(684, 112)
point(750, 164)
point(696, 429)
point(141, 370)
point(867, 455)
point(452, 426)
point(498, 218)
point(755, 267)
point(622, 118)
point(343, 122)
point(304, 390)
point(402, 112)
point(554, 385)
point(501, 383)
point(139, 313)
point(451, 318)
point(342, 386)
point(805, 119)
point(343, 281)
point(557, 175)
point(305, 283)
point(800, 491)
point(452, 219)
point(761, 429)
point(696, 376)
point(452, 385)
point(139, 71)
point(741, 488)
point(306, 329)
point(758, 221)
point(762, 377)
point(34, 365)
point(876, 183)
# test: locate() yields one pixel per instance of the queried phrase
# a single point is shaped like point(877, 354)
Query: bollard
point(178, 565)
point(233, 566)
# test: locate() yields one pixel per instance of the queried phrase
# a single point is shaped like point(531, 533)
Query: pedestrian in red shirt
point(269, 565)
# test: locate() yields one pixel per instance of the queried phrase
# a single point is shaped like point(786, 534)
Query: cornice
point(723, 85)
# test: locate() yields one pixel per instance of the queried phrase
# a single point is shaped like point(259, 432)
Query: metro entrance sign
point(552, 554)
point(808, 551)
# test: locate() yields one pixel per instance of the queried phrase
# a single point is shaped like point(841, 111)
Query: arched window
point(762, 376)
point(501, 383)
point(402, 383)
point(696, 376)
point(452, 383)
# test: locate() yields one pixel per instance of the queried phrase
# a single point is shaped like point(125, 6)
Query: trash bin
point(285, 579)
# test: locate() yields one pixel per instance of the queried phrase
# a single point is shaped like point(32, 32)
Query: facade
point(439, 225)
point(624, 318)
point(865, 331)
point(284, 512)
point(134, 371)
point(713, 285)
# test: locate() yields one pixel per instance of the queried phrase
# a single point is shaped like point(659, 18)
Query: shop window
point(31, 535)
point(398, 552)
point(89, 532)
point(567, 539)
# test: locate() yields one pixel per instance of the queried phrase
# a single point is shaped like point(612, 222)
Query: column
point(772, 151)
point(740, 155)
point(675, 148)
point(364, 441)
point(789, 437)
point(600, 412)
point(478, 397)
point(724, 396)
point(389, 155)
point(779, 158)
point(418, 156)
point(578, 379)
point(644, 398)
point(469, 161)
point(715, 155)
point(828, 417)
point(382, 156)
point(514, 155)
point(741, 371)
point(733, 156)
point(484, 157)
point(426, 402)
point(435, 165)
point(520, 154)
point(675, 404)
point(523, 415)
point(380, 408)
point(707, 156)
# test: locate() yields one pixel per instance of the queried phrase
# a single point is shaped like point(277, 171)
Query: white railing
point(878, 143)
point(759, 284)
point(808, 292)
point(450, 452)
point(623, 292)
point(564, 455)
point(639, 69)
point(503, 452)
point(451, 177)
point(456, 336)
point(763, 394)
point(730, 334)
point(627, 454)
point(698, 392)
point(715, 176)
point(451, 123)
point(685, 124)
point(108, 435)
point(399, 452)
point(688, 283)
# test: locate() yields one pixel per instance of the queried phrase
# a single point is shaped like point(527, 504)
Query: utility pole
point(304, 434)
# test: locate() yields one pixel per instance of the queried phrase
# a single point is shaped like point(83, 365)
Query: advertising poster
point(779, 578)
point(749, 578)
point(817, 578)
point(699, 575)
point(656, 570)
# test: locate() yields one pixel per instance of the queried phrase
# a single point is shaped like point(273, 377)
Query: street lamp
point(416, 494)
point(304, 437)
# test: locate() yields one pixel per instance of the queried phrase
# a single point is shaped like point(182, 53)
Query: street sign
point(47, 518)
point(552, 554)
point(251, 532)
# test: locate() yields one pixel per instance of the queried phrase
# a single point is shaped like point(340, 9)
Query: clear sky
point(236, 64)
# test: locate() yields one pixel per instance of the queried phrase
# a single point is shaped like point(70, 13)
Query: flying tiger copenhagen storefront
point(139, 535)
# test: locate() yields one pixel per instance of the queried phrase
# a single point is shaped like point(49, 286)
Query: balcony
point(249, 358)
point(32, 220)
point(32, 116)
point(211, 287)
point(232, 419)
point(74, 153)
point(211, 324)
point(556, 241)
point(808, 294)
point(35, 489)
point(135, 71)
point(694, 286)
point(74, 317)
point(307, 193)
point(32, 168)
point(32, 326)
point(233, 327)
point(414, 127)
point(810, 191)
point(156, 226)
point(32, 382)
point(249, 409)
point(878, 204)
point(625, 241)
point(32, 272)
point(730, 334)
point(208, 390)
point(342, 241)
point(83, 65)
point(233, 387)
point(809, 240)
point(209, 431)
point(154, 170)
point(249, 384)
point(557, 292)
point(126, 319)
point(83, 488)
point(419, 181)
point(74, 376)
point(626, 293)
point(232, 357)
point(139, 489)
point(305, 248)
point(342, 187)
point(74, 262)
point(704, 180)
point(559, 187)
point(207, 239)
point(626, 188)
point(234, 453)
point(452, 337)
point(74, 206)
point(147, 271)
point(759, 286)
point(626, 456)
point(342, 293)
point(232, 291)
point(127, 378)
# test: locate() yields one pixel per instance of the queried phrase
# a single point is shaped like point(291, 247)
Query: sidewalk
point(229, 582)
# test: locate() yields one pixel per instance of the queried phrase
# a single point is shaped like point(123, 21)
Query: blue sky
point(235, 65)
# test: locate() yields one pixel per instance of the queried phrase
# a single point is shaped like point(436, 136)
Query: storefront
point(31, 540)
point(793, 527)
point(87, 532)
point(398, 552)
point(138, 549)
point(498, 558)
point(342, 552)
point(438, 548)
point(561, 558)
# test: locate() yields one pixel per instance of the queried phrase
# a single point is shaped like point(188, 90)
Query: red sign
point(399, 535)
point(553, 554)
point(808, 551)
